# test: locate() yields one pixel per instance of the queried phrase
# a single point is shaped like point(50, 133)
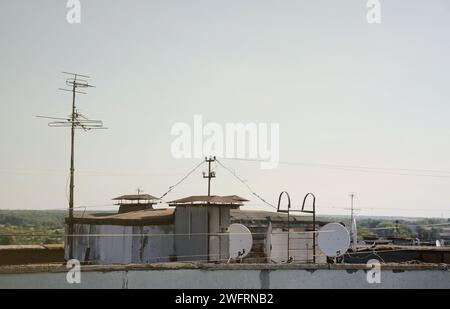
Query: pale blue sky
point(345, 92)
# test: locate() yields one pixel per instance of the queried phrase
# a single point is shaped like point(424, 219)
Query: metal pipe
point(288, 217)
point(313, 212)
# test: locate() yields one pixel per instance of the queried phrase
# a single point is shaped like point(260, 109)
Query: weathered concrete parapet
point(226, 276)
point(55, 268)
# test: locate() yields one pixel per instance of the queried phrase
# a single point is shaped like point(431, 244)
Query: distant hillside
point(29, 227)
point(37, 219)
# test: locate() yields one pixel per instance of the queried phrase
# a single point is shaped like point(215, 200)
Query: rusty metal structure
point(313, 213)
point(134, 202)
point(302, 210)
point(288, 218)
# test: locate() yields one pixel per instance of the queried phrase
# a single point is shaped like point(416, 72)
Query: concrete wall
point(232, 276)
point(219, 221)
point(300, 247)
point(191, 227)
point(31, 254)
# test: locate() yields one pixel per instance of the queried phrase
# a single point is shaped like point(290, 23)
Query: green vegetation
point(28, 227)
point(382, 228)
point(33, 218)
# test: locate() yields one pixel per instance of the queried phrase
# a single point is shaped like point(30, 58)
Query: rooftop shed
point(135, 202)
point(201, 224)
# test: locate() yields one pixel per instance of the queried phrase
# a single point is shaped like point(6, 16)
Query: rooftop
point(165, 216)
point(229, 200)
point(136, 197)
point(141, 217)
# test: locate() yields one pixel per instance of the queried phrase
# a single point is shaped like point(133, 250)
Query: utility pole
point(74, 121)
point(72, 167)
point(210, 174)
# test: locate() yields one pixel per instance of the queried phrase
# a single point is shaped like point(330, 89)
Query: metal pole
point(314, 233)
point(209, 177)
point(288, 217)
point(313, 212)
point(289, 234)
point(210, 174)
point(72, 169)
point(352, 195)
point(351, 207)
point(73, 123)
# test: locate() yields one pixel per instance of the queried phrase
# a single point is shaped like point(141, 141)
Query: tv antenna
point(74, 121)
point(353, 230)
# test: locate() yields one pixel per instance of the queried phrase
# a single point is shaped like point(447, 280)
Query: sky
point(344, 92)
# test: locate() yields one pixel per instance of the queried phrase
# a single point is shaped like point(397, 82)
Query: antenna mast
point(352, 196)
point(75, 121)
point(352, 223)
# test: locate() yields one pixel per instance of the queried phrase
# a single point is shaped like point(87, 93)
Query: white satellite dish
point(241, 241)
point(333, 239)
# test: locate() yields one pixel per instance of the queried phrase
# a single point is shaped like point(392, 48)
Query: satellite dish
point(333, 239)
point(241, 241)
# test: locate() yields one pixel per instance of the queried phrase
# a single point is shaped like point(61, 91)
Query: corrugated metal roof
point(136, 197)
point(140, 218)
point(213, 199)
point(257, 218)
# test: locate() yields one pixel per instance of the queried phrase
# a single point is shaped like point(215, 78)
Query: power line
point(386, 209)
point(370, 209)
point(362, 169)
point(53, 172)
point(182, 179)
point(232, 172)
